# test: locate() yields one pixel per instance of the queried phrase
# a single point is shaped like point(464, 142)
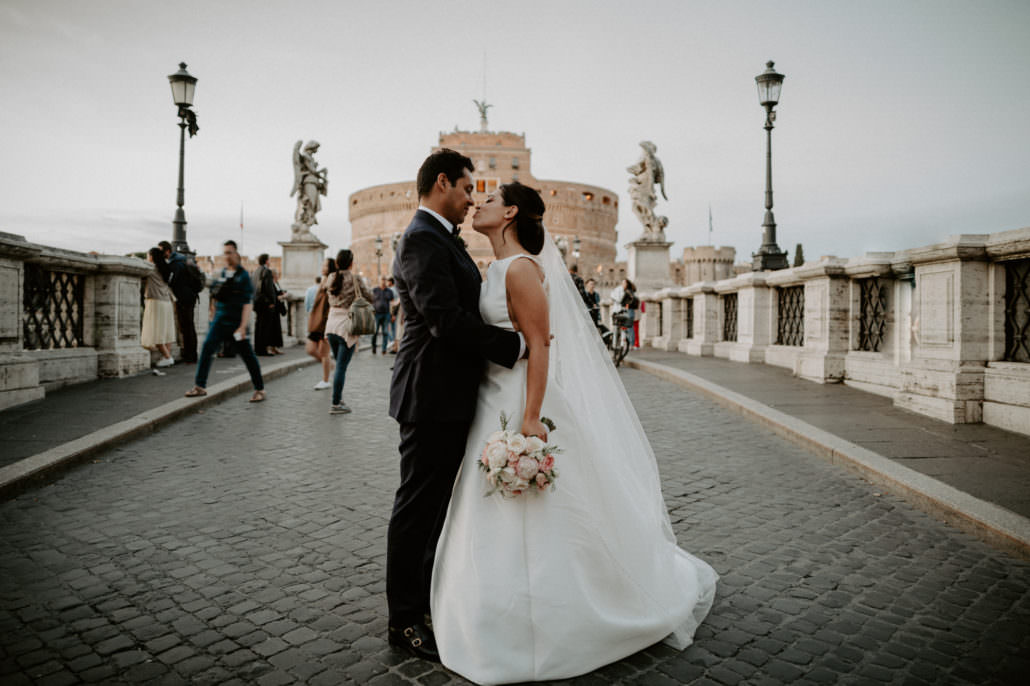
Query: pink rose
point(547, 464)
point(541, 481)
point(527, 468)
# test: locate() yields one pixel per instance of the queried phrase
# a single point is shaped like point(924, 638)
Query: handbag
point(319, 312)
point(362, 317)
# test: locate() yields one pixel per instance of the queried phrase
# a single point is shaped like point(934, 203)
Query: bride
point(550, 585)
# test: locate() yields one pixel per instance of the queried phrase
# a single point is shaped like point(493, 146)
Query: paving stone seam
point(996, 525)
point(24, 473)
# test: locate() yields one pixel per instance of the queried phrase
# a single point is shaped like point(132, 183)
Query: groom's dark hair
point(443, 161)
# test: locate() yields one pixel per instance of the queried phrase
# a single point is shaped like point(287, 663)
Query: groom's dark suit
point(433, 394)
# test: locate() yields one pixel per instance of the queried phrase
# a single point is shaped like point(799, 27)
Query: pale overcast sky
point(900, 122)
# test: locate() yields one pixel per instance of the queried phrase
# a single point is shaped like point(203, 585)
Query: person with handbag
point(318, 313)
point(234, 294)
point(350, 316)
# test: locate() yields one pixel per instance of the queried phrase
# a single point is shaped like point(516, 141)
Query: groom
point(435, 385)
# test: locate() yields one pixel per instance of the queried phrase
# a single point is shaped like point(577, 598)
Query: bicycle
point(617, 341)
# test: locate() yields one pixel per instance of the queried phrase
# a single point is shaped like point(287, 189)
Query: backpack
point(362, 317)
point(195, 278)
point(630, 301)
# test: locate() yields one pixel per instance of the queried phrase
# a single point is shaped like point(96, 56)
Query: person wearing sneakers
point(158, 314)
point(342, 287)
point(233, 292)
point(318, 312)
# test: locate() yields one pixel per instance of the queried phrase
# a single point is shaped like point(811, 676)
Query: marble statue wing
point(296, 168)
point(659, 175)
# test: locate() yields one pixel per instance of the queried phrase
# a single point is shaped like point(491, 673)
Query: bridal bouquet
point(515, 463)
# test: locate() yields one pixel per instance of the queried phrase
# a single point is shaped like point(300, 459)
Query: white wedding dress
point(556, 584)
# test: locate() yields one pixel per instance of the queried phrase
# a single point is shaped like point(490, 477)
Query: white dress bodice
point(493, 296)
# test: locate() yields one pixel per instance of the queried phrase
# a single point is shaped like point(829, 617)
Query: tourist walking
point(266, 316)
point(593, 300)
point(624, 299)
point(381, 298)
point(318, 313)
point(158, 310)
point(186, 281)
point(233, 293)
point(342, 287)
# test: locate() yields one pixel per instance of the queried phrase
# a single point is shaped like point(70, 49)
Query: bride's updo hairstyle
point(529, 225)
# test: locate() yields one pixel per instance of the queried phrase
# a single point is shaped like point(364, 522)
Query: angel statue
point(643, 176)
point(482, 107)
point(309, 182)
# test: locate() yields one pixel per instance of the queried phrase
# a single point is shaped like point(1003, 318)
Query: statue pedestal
point(302, 262)
point(648, 263)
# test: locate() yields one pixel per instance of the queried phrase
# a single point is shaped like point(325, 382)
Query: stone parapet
point(929, 327)
point(82, 312)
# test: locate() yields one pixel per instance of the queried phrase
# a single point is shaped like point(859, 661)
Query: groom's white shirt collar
point(446, 224)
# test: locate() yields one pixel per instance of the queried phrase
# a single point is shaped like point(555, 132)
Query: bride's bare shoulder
point(524, 267)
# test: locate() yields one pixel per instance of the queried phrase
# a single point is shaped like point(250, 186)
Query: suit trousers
point(431, 453)
point(187, 329)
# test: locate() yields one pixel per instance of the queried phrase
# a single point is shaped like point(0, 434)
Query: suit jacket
point(443, 354)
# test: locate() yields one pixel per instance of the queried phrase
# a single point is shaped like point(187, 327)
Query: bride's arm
point(528, 303)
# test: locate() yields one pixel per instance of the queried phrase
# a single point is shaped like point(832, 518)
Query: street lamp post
point(769, 256)
point(379, 256)
point(575, 250)
point(183, 87)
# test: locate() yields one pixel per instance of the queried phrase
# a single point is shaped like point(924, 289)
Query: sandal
point(257, 397)
point(195, 392)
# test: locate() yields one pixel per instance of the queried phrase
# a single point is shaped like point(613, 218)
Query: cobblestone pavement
point(246, 544)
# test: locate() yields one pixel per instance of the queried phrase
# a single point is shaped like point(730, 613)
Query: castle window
point(553, 192)
point(606, 200)
point(487, 185)
point(587, 195)
point(514, 163)
point(515, 176)
point(493, 163)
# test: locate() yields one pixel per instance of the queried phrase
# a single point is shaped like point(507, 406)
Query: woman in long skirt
point(158, 310)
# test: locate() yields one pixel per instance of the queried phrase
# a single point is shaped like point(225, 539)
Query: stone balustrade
point(943, 329)
point(65, 317)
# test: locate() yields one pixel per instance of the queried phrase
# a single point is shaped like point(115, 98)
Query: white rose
point(507, 475)
point(496, 436)
point(527, 469)
point(520, 485)
point(517, 443)
point(497, 455)
point(533, 443)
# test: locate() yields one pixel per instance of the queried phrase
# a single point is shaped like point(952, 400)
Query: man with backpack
point(186, 281)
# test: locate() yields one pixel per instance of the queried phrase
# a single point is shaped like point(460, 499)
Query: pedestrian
point(233, 294)
point(624, 299)
point(342, 287)
point(580, 286)
point(316, 345)
point(265, 301)
point(158, 310)
point(593, 300)
point(186, 281)
point(309, 294)
point(381, 298)
point(395, 315)
point(281, 296)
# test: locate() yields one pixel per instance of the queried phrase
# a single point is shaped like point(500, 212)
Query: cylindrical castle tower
point(574, 210)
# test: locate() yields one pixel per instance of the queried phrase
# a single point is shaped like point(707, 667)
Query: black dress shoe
point(417, 639)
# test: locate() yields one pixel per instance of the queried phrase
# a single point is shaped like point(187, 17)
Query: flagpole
point(710, 224)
